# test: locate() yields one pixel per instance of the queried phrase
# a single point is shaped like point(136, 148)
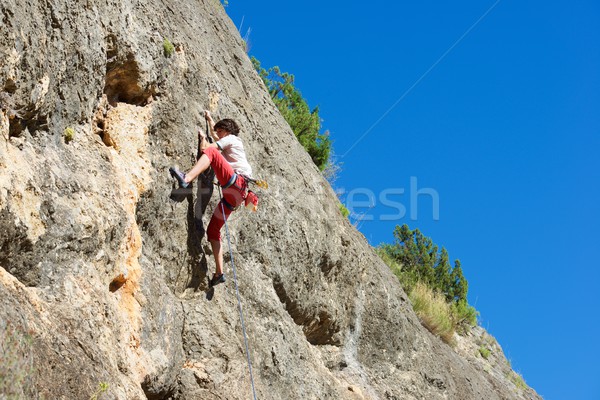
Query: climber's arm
point(211, 125)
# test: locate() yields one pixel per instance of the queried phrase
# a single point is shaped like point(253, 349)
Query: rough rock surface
point(102, 265)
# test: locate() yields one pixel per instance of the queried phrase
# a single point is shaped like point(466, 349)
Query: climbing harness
point(232, 182)
point(237, 292)
point(250, 198)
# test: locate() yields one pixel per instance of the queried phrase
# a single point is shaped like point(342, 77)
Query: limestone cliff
point(106, 273)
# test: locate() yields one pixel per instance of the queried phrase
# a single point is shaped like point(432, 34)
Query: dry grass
point(433, 311)
point(518, 380)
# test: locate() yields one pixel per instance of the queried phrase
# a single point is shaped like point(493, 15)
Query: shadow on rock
point(198, 264)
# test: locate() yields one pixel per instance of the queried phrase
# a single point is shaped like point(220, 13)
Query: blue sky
point(495, 108)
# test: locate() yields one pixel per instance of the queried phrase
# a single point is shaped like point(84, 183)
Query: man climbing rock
point(231, 170)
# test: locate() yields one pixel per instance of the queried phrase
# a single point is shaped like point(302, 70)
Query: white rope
point(237, 292)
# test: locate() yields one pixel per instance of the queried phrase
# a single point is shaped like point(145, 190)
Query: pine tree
point(419, 257)
point(443, 272)
point(305, 123)
point(414, 258)
point(460, 286)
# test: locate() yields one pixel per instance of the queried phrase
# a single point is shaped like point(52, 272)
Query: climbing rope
point(237, 292)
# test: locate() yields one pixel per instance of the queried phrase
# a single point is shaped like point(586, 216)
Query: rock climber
point(228, 159)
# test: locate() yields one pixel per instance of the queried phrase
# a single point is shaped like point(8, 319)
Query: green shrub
point(394, 266)
point(69, 134)
point(406, 278)
point(168, 48)
point(485, 352)
point(345, 212)
point(464, 316)
point(102, 387)
point(433, 311)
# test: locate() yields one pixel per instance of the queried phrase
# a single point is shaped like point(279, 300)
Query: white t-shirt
point(233, 152)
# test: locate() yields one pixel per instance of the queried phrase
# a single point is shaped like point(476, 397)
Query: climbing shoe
point(216, 279)
point(180, 176)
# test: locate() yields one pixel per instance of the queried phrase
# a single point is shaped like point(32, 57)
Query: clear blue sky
point(502, 124)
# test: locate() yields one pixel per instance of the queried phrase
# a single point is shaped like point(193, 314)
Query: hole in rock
point(117, 283)
point(122, 82)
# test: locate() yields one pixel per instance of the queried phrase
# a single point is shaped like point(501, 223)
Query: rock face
point(104, 267)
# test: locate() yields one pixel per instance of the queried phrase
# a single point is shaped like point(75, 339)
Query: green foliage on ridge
point(423, 261)
point(415, 260)
point(305, 123)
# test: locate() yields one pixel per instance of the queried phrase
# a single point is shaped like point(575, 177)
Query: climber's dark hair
point(229, 125)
